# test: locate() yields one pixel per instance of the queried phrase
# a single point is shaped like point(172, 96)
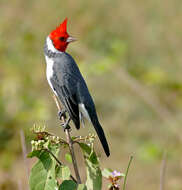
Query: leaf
point(107, 172)
point(68, 185)
point(73, 138)
point(85, 148)
point(93, 158)
point(42, 176)
point(82, 187)
point(34, 153)
point(94, 176)
point(63, 172)
point(68, 157)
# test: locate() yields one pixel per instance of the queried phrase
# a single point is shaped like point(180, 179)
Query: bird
point(68, 84)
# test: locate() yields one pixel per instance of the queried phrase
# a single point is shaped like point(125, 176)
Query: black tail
point(101, 135)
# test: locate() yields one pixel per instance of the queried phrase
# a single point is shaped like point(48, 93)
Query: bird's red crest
point(63, 25)
point(59, 36)
point(61, 29)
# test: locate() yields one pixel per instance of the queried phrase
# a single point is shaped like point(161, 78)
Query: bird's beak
point(71, 39)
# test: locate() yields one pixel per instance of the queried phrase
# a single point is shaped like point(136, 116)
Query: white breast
point(50, 62)
point(49, 71)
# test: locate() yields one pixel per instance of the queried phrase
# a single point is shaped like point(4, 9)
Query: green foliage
point(82, 187)
point(42, 176)
point(44, 172)
point(68, 157)
point(94, 176)
point(63, 172)
point(48, 171)
point(34, 153)
point(68, 185)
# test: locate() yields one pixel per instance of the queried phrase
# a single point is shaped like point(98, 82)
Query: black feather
point(98, 128)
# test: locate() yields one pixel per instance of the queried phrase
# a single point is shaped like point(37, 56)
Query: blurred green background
point(130, 55)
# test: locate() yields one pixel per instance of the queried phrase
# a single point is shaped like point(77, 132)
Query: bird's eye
point(62, 39)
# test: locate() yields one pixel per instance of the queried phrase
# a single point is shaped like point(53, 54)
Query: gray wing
point(64, 82)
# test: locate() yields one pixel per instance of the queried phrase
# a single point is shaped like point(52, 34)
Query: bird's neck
point(50, 50)
point(50, 46)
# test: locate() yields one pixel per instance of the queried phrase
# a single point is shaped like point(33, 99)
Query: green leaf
point(68, 157)
point(57, 170)
point(94, 176)
point(107, 172)
point(63, 172)
point(93, 158)
point(82, 187)
point(85, 148)
point(68, 185)
point(73, 138)
point(42, 176)
point(34, 153)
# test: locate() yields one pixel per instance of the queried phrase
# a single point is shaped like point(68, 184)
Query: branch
point(45, 133)
point(70, 142)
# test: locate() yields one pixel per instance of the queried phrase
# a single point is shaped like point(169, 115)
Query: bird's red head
point(60, 38)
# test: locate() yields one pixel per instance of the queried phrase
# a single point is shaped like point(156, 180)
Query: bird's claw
point(65, 125)
point(62, 114)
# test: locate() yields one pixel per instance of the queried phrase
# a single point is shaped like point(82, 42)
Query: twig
point(70, 142)
point(126, 174)
point(24, 153)
point(162, 172)
point(73, 155)
point(45, 133)
point(59, 163)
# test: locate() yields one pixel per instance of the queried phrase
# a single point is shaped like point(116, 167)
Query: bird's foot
point(65, 125)
point(62, 114)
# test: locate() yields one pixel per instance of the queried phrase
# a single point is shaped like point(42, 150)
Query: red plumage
point(59, 36)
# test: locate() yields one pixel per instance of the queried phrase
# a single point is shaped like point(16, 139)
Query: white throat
point(50, 45)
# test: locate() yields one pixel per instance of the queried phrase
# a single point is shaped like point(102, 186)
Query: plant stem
point(70, 142)
point(126, 174)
